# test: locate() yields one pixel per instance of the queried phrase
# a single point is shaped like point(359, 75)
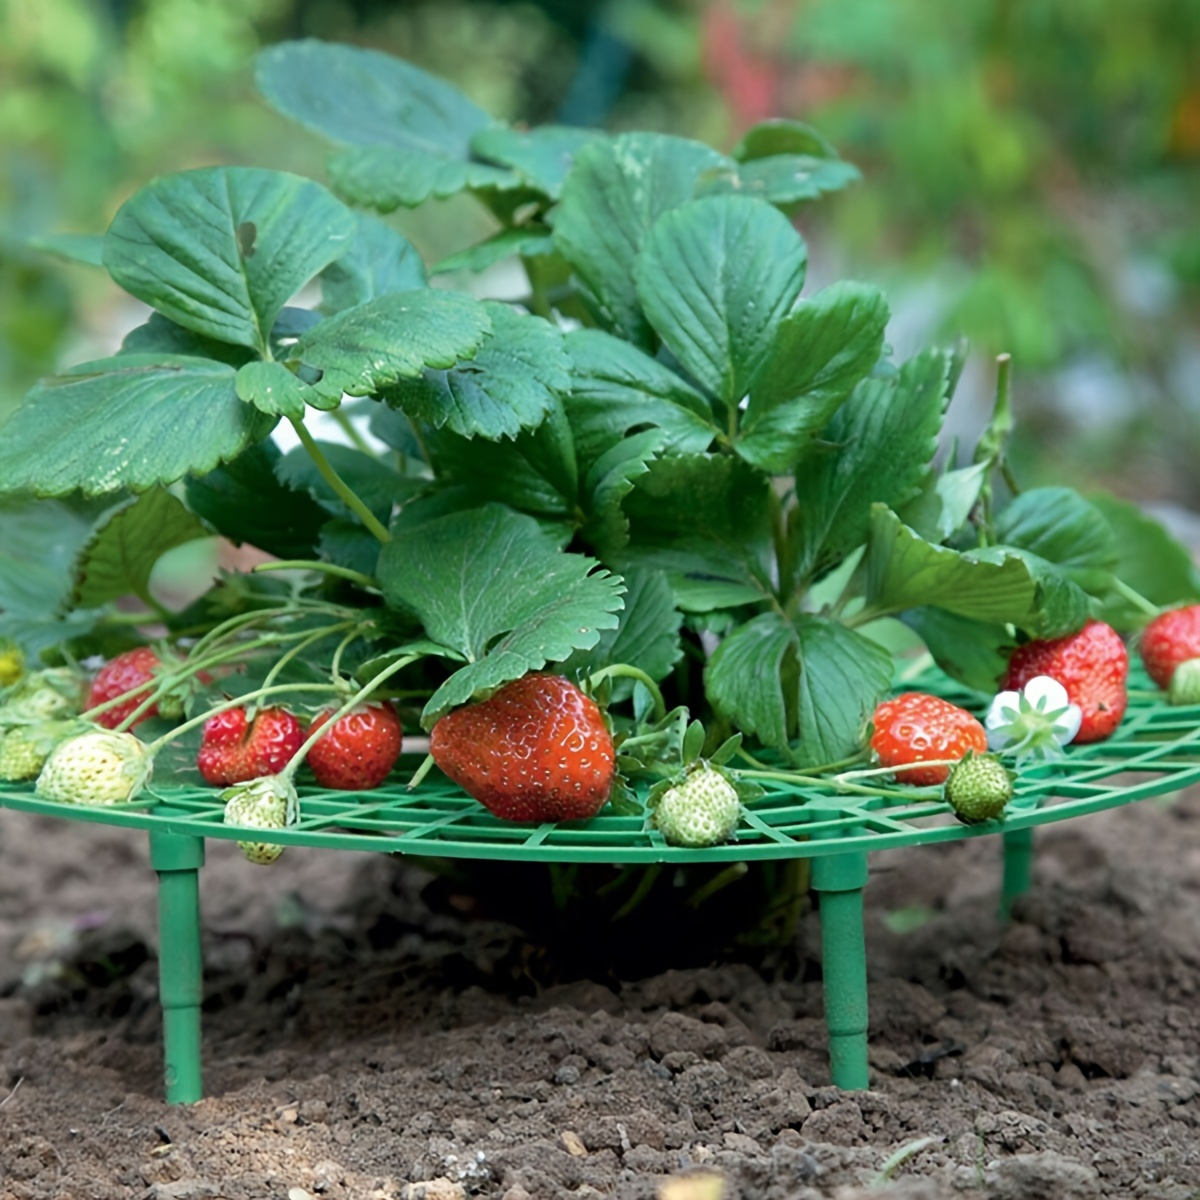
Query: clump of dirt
point(361, 1043)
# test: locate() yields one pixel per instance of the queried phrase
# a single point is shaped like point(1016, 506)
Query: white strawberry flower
point(1037, 722)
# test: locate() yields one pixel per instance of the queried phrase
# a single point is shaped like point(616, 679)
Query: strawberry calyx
point(1184, 687)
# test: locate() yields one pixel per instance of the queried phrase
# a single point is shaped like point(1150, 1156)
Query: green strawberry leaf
point(751, 678)
point(358, 97)
point(273, 389)
point(510, 382)
point(608, 481)
point(1060, 605)
point(843, 675)
point(379, 262)
point(881, 441)
point(975, 653)
point(704, 519)
point(40, 543)
point(410, 132)
point(905, 571)
point(387, 178)
point(945, 502)
point(245, 502)
point(376, 484)
point(529, 241)
point(647, 636)
point(996, 584)
point(615, 192)
point(541, 156)
point(715, 278)
point(392, 337)
point(783, 180)
point(490, 586)
point(1059, 525)
point(771, 138)
point(813, 679)
point(348, 544)
point(161, 336)
point(220, 250)
point(534, 473)
point(615, 387)
point(1148, 559)
point(819, 353)
point(125, 544)
point(130, 421)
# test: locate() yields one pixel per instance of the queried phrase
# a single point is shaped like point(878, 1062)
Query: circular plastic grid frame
point(1155, 751)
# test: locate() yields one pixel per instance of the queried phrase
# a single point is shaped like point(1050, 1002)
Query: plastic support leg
point(840, 879)
point(178, 858)
point(1018, 868)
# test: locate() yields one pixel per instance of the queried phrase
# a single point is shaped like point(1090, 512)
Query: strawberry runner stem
point(343, 490)
point(312, 564)
point(1135, 598)
point(624, 670)
point(838, 783)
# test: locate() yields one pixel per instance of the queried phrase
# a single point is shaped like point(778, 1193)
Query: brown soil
point(360, 1044)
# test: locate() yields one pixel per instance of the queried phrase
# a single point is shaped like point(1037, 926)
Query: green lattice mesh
point(1155, 751)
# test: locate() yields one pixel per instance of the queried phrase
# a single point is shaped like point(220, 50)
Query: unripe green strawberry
point(49, 695)
point(264, 803)
point(101, 767)
point(701, 810)
point(979, 788)
point(24, 750)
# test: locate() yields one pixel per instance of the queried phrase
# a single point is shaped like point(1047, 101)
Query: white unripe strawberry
point(265, 803)
point(102, 767)
point(25, 748)
point(701, 810)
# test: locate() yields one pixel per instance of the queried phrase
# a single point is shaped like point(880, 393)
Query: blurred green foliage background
point(1031, 167)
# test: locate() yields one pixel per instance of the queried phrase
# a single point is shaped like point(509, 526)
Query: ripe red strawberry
point(1170, 639)
point(915, 728)
point(235, 749)
point(1092, 665)
point(536, 750)
point(359, 750)
point(133, 669)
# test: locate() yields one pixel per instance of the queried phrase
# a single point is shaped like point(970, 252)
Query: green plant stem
point(351, 431)
point(343, 490)
point(304, 564)
point(238, 622)
point(194, 664)
point(832, 783)
point(624, 670)
point(357, 698)
point(336, 665)
point(872, 772)
point(236, 702)
point(1135, 598)
point(427, 765)
point(129, 618)
point(299, 648)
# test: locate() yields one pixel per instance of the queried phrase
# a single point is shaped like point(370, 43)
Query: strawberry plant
point(680, 507)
